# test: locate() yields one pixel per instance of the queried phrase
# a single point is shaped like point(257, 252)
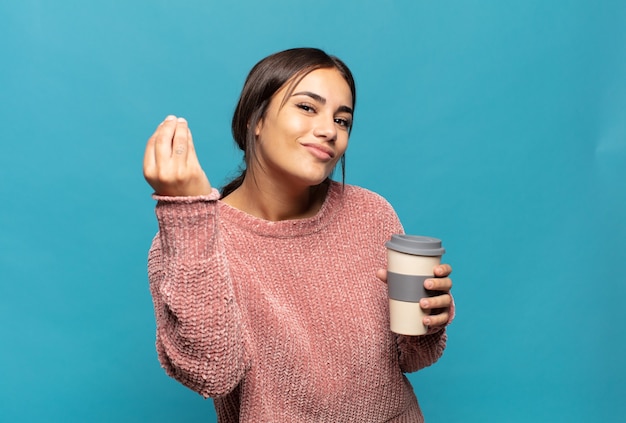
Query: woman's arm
point(200, 338)
point(199, 327)
point(417, 352)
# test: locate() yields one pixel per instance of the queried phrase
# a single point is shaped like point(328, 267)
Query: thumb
point(382, 275)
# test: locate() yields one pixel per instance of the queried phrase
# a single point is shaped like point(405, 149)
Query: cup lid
point(416, 245)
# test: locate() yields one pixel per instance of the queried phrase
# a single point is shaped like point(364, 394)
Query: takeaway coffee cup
point(410, 261)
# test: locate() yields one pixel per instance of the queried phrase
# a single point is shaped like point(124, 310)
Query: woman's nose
point(325, 127)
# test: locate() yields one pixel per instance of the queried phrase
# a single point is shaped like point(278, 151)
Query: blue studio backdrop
point(498, 126)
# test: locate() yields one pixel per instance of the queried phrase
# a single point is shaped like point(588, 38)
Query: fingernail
point(427, 322)
point(170, 117)
point(429, 284)
point(424, 303)
point(182, 120)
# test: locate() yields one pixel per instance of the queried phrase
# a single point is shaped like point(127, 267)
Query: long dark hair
point(264, 80)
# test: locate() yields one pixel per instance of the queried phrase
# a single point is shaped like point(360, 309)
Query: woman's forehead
point(326, 82)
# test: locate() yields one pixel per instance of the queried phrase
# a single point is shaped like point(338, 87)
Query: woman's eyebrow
point(322, 100)
point(314, 96)
point(345, 109)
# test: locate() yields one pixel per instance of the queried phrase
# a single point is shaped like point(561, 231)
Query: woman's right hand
point(170, 164)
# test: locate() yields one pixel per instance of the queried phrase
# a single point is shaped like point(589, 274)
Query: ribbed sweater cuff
point(186, 224)
point(214, 195)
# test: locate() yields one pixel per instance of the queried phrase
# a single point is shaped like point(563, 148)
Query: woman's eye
point(306, 107)
point(343, 122)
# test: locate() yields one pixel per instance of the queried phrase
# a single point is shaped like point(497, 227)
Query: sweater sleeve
point(417, 352)
point(200, 335)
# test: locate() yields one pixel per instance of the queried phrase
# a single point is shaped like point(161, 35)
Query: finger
point(436, 320)
point(192, 157)
point(438, 284)
point(149, 158)
point(442, 270)
point(149, 162)
point(438, 301)
point(180, 141)
point(163, 141)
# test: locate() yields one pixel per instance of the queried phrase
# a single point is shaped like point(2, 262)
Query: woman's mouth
point(320, 151)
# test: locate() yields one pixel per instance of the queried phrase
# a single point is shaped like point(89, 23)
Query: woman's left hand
point(437, 306)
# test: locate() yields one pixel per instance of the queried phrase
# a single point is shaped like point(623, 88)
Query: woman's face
point(302, 140)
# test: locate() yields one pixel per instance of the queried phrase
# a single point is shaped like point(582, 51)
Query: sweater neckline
point(286, 228)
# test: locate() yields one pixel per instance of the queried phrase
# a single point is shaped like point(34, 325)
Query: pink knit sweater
point(284, 321)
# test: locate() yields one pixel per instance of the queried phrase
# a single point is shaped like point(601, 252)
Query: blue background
point(498, 126)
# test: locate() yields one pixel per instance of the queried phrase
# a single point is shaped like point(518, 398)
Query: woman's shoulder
point(367, 210)
point(363, 198)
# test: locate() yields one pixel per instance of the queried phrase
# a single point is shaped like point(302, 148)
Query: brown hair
point(264, 80)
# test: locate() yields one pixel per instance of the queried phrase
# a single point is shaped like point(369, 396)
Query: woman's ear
point(259, 125)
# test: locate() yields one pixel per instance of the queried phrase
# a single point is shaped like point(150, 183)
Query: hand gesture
point(170, 164)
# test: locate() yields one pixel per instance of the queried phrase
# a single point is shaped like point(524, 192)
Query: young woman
point(270, 297)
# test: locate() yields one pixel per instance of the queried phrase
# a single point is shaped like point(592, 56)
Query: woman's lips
point(320, 151)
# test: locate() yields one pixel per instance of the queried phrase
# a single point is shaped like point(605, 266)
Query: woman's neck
point(274, 202)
